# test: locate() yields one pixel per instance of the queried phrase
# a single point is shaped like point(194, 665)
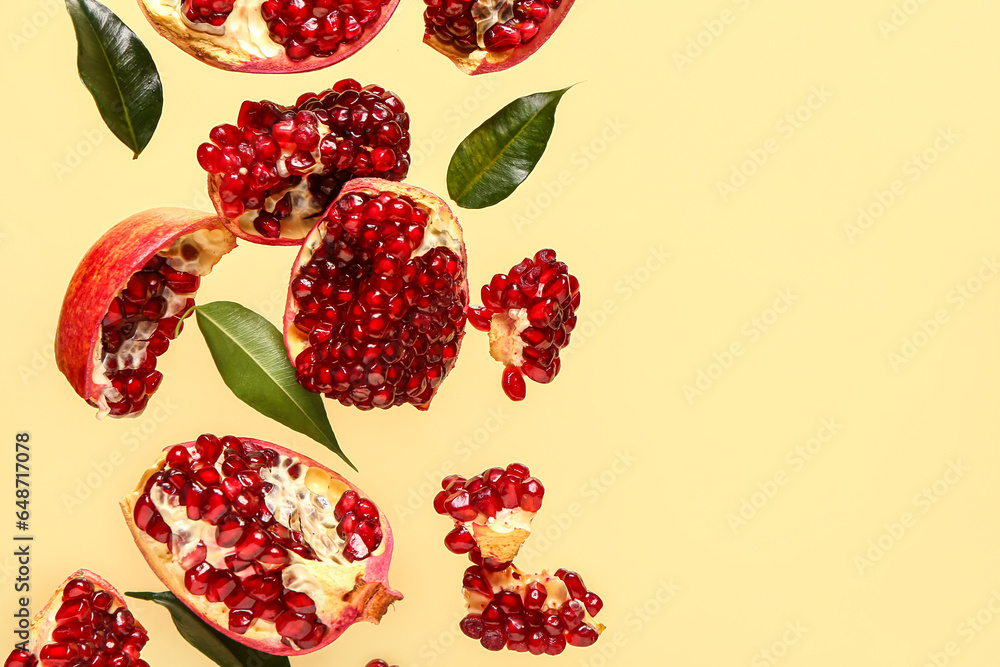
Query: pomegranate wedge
point(127, 300)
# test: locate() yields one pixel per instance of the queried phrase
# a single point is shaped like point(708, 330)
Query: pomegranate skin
point(295, 341)
point(481, 61)
point(367, 600)
point(101, 274)
point(202, 47)
point(43, 623)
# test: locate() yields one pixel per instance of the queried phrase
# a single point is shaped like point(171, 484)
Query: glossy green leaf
point(217, 647)
point(118, 71)
point(498, 155)
point(250, 355)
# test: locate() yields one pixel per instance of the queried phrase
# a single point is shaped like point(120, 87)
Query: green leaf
point(217, 647)
point(118, 71)
point(498, 155)
point(250, 355)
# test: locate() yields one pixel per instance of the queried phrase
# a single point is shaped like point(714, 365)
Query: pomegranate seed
point(532, 493)
point(459, 506)
point(513, 383)
point(584, 635)
point(459, 541)
point(292, 625)
point(221, 584)
point(240, 620)
point(593, 603)
point(493, 640)
point(77, 588)
point(300, 603)
point(472, 626)
point(196, 579)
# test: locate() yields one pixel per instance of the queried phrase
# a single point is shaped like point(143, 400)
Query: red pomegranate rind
point(252, 537)
point(536, 613)
point(106, 269)
point(73, 626)
point(249, 45)
point(529, 314)
point(273, 173)
point(375, 314)
point(456, 35)
point(492, 512)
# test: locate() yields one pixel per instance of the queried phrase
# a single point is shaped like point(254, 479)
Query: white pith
point(306, 504)
point(210, 245)
point(556, 592)
point(439, 232)
point(506, 345)
point(488, 13)
point(244, 33)
point(48, 621)
point(305, 207)
point(506, 521)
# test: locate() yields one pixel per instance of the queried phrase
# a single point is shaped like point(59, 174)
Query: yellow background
point(841, 559)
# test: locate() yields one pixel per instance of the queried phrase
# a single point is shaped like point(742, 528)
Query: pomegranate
point(273, 173)
point(376, 304)
point(492, 512)
point(268, 546)
point(127, 300)
point(84, 624)
point(269, 36)
point(536, 613)
point(482, 36)
point(529, 314)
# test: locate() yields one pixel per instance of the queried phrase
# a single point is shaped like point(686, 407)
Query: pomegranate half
point(273, 173)
point(271, 548)
point(376, 303)
point(483, 36)
point(269, 36)
point(127, 300)
point(529, 314)
point(85, 624)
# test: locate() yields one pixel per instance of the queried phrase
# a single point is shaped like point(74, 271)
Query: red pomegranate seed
point(582, 636)
point(252, 544)
point(196, 579)
point(493, 640)
point(593, 603)
point(472, 626)
point(293, 626)
point(459, 541)
point(513, 383)
point(240, 620)
point(532, 493)
point(221, 584)
point(214, 505)
point(298, 602)
point(459, 506)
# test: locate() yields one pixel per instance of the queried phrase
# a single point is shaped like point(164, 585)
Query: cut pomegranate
point(482, 36)
point(85, 623)
point(376, 304)
point(127, 300)
point(273, 173)
point(529, 314)
point(269, 36)
point(492, 512)
point(268, 546)
point(536, 613)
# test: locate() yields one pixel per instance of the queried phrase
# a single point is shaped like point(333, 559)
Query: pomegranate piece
point(273, 173)
point(376, 304)
point(286, 579)
point(482, 36)
point(529, 313)
point(492, 512)
point(86, 622)
point(127, 300)
point(536, 613)
point(269, 36)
